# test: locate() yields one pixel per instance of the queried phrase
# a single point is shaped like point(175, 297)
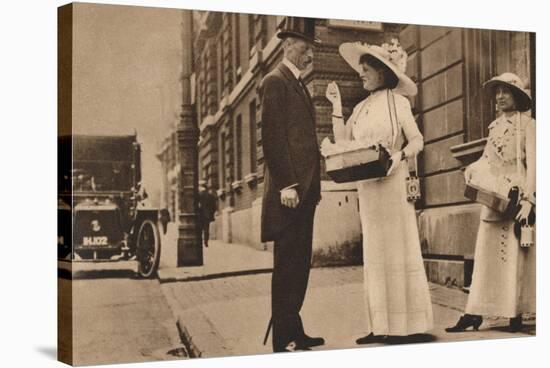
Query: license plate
point(94, 240)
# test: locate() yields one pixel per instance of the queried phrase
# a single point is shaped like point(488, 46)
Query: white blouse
point(498, 167)
point(373, 120)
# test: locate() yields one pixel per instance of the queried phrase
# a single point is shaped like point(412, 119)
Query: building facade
point(232, 53)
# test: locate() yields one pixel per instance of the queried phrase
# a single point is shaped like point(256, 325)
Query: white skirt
point(503, 282)
point(397, 297)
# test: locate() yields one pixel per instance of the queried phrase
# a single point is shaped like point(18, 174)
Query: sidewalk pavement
point(222, 260)
point(225, 316)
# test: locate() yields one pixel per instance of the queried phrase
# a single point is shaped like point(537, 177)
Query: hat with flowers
point(391, 54)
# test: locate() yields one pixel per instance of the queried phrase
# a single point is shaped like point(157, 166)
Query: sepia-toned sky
point(126, 70)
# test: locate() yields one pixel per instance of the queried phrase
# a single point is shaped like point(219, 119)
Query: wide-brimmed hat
point(522, 96)
point(392, 55)
point(299, 27)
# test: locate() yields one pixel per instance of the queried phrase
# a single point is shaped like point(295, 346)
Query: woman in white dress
point(503, 281)
point(397, 298)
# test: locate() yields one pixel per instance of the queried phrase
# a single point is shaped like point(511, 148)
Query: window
point(237, 47)
point(244, 42)
point(479, 57)
point(219, 63)
point(252, 137)
point(251, 32)
point(533, 72)
point(222, 160)
point(489, 53)
point(239, 148)
point(173, 204)
point(271, 24)
point(174, 148)
point(202, 96)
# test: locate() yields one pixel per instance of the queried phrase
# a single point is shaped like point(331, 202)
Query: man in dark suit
point(207, 209)
point(291, 183)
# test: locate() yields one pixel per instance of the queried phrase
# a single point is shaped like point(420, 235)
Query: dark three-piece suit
point(291, 156)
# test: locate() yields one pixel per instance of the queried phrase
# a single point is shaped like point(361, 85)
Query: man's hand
point(289, 198)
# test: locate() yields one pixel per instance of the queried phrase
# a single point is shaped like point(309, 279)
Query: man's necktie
point(303, 85)
point(304, 89)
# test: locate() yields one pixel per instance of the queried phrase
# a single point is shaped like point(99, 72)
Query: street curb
point(200, 336)
point(196, 331)
point(187, 341)
point(168, 279)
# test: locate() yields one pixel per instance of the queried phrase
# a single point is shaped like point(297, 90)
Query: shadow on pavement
point(530, 329)
point(104, 274)
point(48, 351)
point(411, 339)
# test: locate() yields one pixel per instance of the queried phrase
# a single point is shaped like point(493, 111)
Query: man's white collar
point(295, 71)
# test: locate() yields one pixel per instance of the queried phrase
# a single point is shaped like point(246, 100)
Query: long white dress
point(397, 298)
point(503, 281)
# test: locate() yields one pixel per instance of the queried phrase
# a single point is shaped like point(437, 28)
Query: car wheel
point(148, 249)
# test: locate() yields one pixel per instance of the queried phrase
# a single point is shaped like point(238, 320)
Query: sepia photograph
point(236, 184)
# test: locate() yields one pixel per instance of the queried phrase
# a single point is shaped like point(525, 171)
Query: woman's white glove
point(333, 95)
point(524, 211)
point(395, 161)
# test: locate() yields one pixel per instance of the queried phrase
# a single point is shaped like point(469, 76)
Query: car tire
point(148, 249)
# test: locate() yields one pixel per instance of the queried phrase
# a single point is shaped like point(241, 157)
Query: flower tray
point(359, 164)
point(508, 206)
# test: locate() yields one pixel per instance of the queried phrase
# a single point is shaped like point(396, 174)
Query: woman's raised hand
point(333, 95)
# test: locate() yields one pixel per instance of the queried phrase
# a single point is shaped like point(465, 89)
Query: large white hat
point(522, 95)
point(392, 55)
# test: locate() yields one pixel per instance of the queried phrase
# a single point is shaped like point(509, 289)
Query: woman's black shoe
point(466, 321)
point(516, 324)
point(369, 339)
point(409, 339)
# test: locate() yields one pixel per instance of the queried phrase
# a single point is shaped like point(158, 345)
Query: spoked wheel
point(148, 249)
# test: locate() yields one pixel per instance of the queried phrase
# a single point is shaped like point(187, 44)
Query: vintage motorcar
point(102, 215)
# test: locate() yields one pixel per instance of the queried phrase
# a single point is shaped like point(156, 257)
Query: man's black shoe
point(291, 347)
point(309, 342)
